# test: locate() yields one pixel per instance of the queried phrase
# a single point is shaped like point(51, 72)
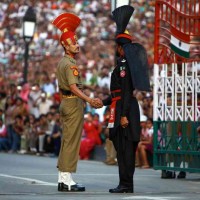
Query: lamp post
point(117, 3)
point(29, 24)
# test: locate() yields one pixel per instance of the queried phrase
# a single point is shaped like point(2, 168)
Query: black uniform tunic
point(125, 140)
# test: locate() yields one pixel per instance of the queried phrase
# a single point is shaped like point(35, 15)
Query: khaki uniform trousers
point(72, 116)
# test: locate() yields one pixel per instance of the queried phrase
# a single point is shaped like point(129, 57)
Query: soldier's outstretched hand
point(96, 103)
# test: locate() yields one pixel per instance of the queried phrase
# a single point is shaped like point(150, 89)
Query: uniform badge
point(75, 70)
point(123, 60)
point(122, 73)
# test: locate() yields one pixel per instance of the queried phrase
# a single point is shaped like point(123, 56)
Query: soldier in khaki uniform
point(72, 102)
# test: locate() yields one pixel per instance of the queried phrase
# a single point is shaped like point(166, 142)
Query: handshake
point(96, 103)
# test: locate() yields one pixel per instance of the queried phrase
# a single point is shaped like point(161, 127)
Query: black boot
point(121, 189)
point(181, 175)
point(74, 188)
point(168, 174)
point(59, 186)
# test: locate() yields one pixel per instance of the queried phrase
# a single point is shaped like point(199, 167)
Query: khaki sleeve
point(72, 74)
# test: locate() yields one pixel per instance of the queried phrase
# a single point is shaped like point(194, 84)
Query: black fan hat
point(121, 16)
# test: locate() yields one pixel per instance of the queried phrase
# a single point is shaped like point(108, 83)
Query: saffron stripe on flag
point(180, 35)
point(180, 43)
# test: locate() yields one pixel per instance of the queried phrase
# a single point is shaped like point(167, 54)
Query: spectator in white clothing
point(34, 95)
point(44, 104)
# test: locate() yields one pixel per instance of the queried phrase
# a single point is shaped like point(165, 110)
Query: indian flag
point(180, 43)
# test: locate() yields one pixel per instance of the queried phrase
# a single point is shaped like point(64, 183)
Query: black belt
point(66, 92)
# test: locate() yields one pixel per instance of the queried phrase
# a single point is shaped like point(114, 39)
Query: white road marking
point(39, 182)
point(151, 198)
point(77, 174)
point(33, 181)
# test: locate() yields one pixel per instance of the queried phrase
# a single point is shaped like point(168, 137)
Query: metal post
point(26, 57)
point(113, 5)
point(29, 23)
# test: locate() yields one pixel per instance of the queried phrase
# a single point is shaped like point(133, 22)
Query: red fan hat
point(67, 23)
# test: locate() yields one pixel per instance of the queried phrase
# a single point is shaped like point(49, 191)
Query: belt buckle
point(68, 96)
point(65, 96)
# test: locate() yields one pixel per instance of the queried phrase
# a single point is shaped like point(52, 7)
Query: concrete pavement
point(28, 177)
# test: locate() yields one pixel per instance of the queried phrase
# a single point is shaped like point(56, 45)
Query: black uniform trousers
point(125, 156)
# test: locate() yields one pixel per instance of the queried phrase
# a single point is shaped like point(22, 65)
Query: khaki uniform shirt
point(68, 74)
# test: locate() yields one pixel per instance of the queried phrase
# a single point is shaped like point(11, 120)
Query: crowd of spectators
point(29, 111)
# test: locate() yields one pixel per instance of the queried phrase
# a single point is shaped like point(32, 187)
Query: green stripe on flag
point(180, 52)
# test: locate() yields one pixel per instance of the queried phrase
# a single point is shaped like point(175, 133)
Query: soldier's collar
point(70, 58)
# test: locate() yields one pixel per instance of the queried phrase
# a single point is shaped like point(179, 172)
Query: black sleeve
point(127, 92)
point(107, 101)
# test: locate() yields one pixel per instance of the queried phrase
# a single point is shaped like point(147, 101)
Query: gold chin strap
point(69, 41)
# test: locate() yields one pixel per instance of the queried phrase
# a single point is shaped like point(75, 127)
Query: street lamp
point(117, 3)
point(29, 24)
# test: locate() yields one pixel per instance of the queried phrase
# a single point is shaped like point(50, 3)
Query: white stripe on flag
point(180, 44)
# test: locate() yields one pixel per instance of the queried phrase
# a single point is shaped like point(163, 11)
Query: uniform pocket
point(68, 106)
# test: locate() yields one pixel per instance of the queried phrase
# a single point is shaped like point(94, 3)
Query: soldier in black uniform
point(124, 120)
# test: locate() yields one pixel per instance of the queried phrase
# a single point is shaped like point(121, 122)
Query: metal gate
point(177, 85)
